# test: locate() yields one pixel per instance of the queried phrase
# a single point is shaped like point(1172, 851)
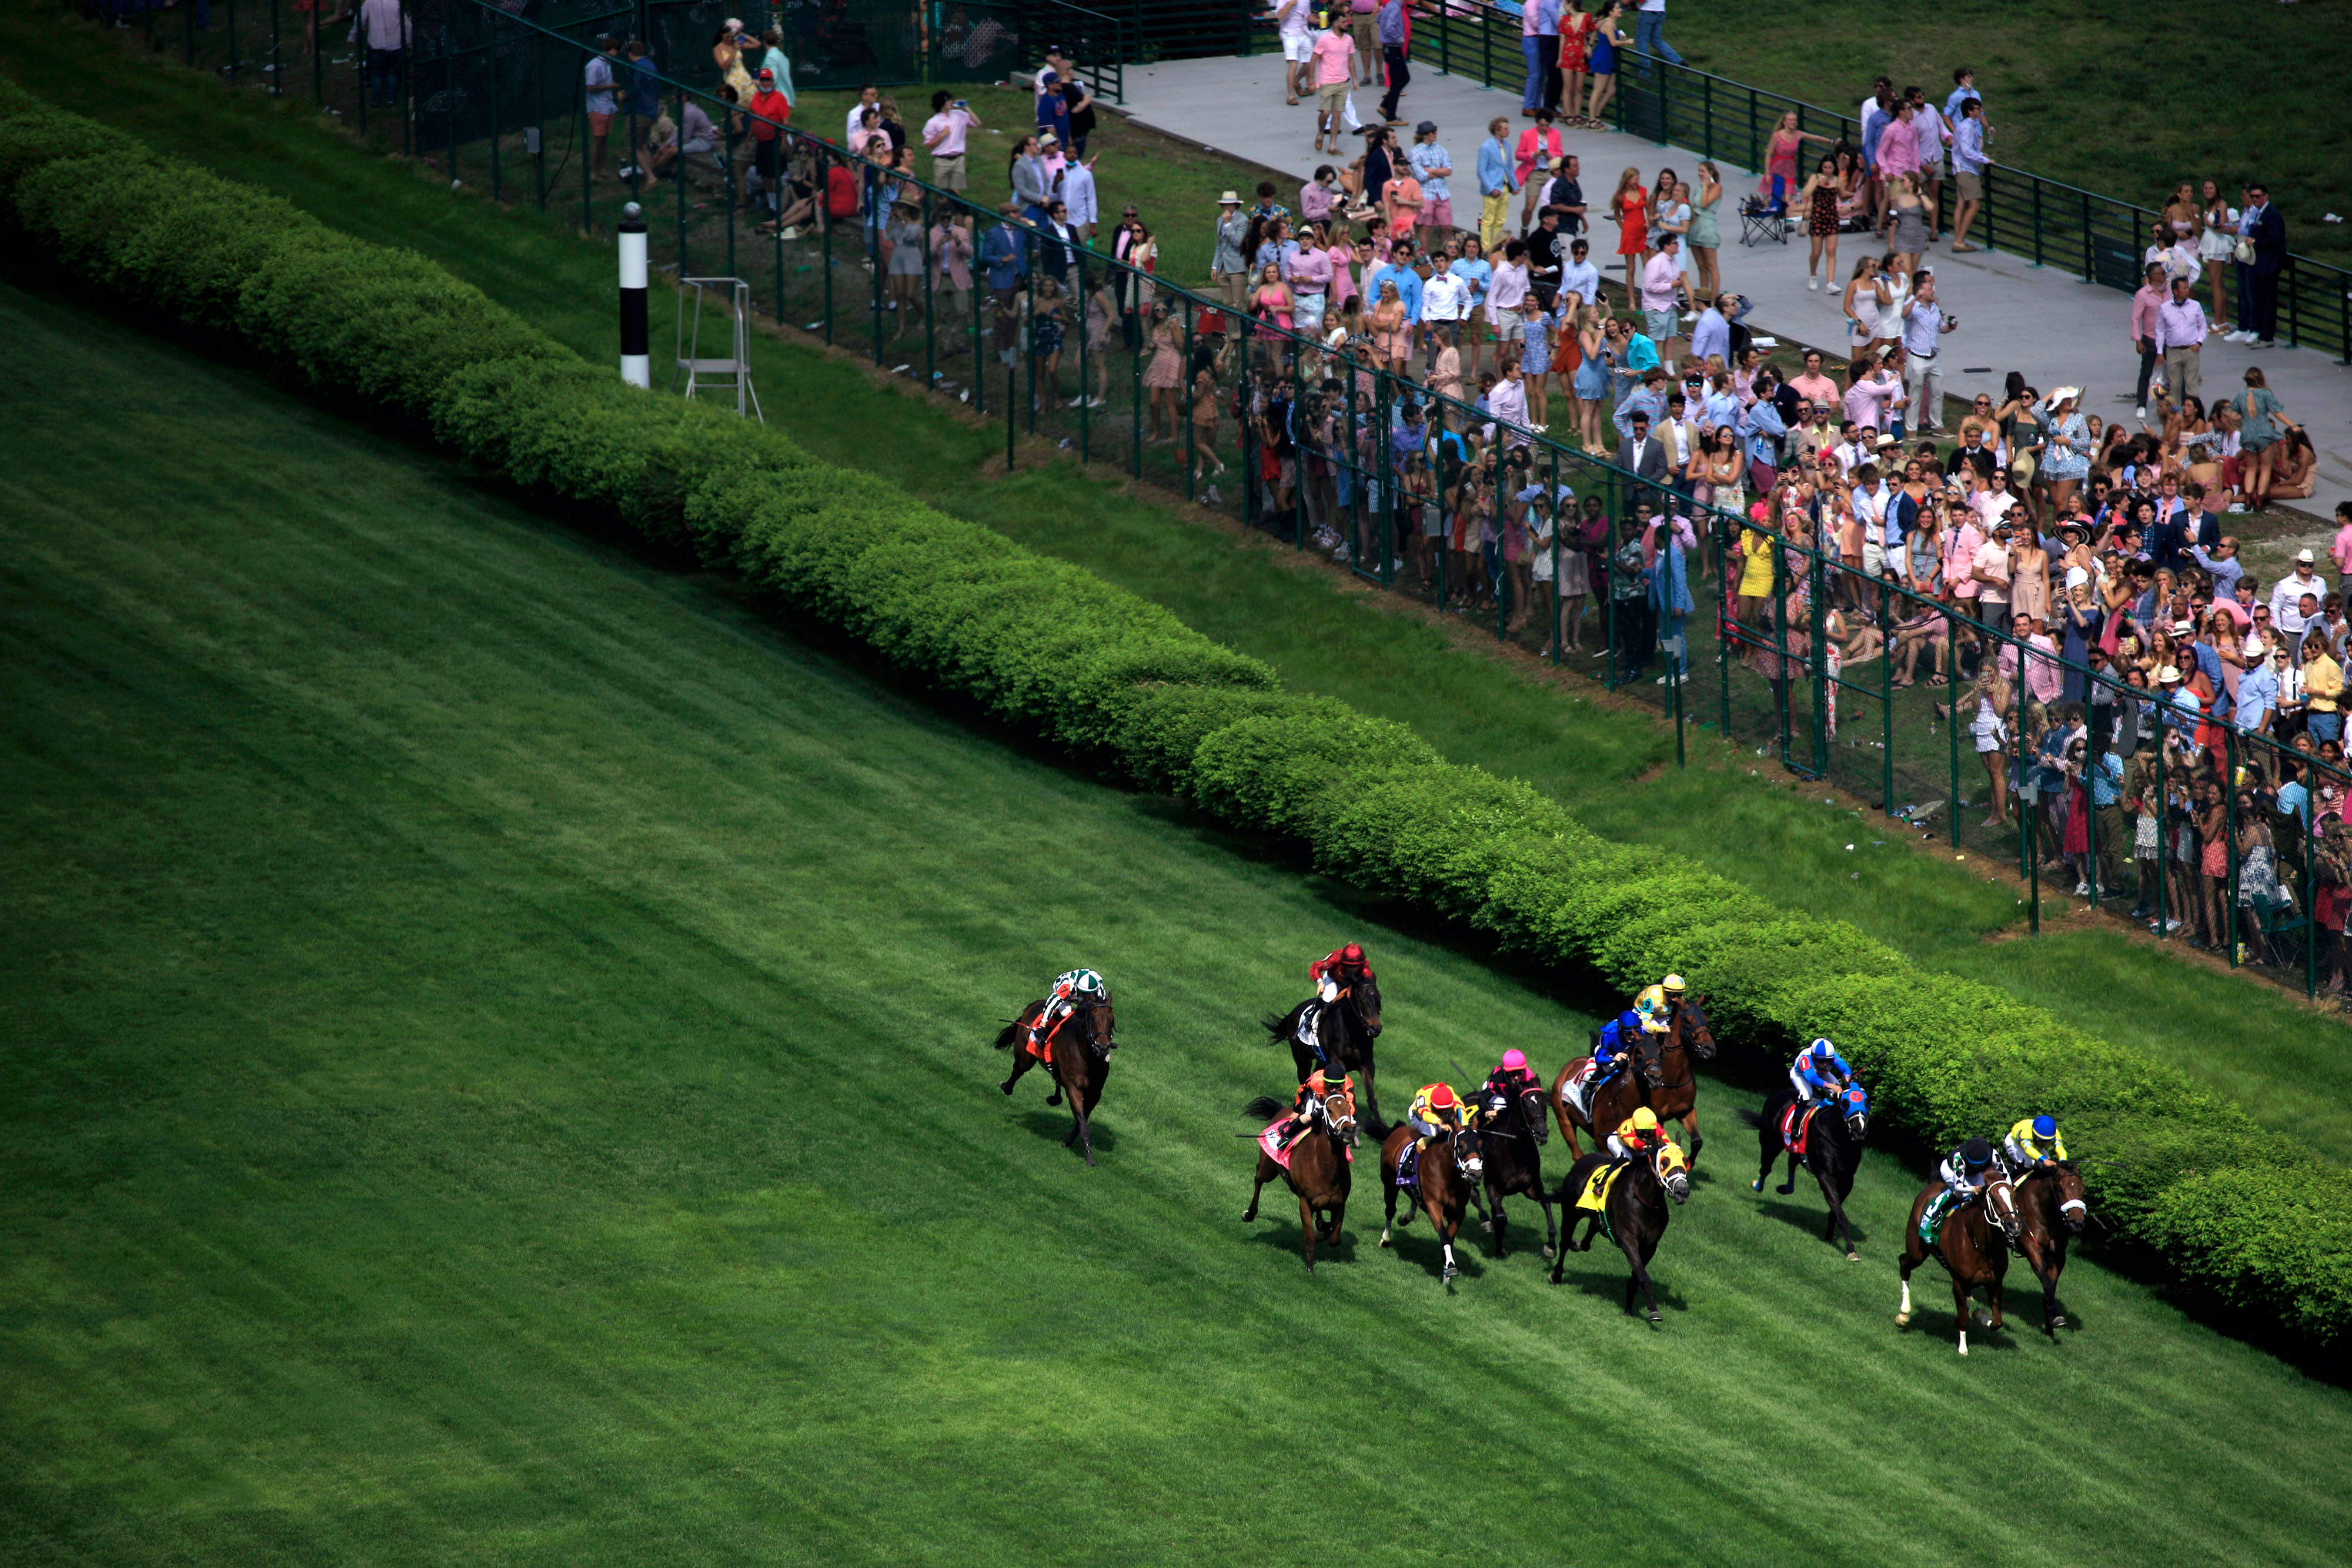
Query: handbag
point(2243, 253)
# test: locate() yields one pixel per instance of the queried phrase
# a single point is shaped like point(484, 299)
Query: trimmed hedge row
point(2245, 1214)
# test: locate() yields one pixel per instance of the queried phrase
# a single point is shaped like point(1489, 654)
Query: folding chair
point(1759, 225)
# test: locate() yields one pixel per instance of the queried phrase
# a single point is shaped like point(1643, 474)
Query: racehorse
point(1969, 1245)
point(1833, 1153)
point(2050, 1208)
point(1636, 1212)
point(1077, 1049)
point(1516, 1134)
point(1344, 1029)
point(1319, 1172)
point(1660, 1078)
point(1447, 1174)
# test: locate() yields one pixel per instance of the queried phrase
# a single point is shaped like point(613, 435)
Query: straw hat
point(2168, 676)
point(1229, 200)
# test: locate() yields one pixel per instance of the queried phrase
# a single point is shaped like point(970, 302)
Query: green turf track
point(493, 1069)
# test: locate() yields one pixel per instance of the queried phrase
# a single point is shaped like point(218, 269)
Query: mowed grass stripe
point(498, 1068)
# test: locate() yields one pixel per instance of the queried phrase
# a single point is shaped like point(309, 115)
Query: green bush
point(2245, 1215)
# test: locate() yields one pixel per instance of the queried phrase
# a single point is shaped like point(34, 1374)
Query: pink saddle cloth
point(1269, 1140)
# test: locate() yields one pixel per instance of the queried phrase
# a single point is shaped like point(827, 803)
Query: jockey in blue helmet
point(1615, 1043)
point(1819, 1073)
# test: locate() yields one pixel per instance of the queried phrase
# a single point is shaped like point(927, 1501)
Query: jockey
point(1656, 1003)
point(1819, 1073)
point(1638, 1134)
point(1070, 988)
point(1302, 1114)
point(2033, 1142)
point(1509, 1079)
point(1964, 1173)
point(1339, 967)
point(1435, 1111)
point(1616, 1041)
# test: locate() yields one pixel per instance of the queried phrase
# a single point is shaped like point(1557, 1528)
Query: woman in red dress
point(1630, 207)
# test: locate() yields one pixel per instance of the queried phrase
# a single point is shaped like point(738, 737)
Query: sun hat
point(2167, 673)
point(1229, 200)
point(2303, 558)
point(2077, 577)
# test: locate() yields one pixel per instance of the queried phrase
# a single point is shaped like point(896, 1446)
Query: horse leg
point(1022, 1062)
point(1552, 1236)
point(1267, 1171)
point(1388, 1206)
point(1372, 1101)
point(1912, 1259)
point(1080, 1133)
point(1690, 1132)
point(1444, 1239)
point(1789, 1184)
point(1961, 1307)
point(1837, 1217)
point(1770, 1140)
point(1640, 1277)
point(1307, 1230)
point(1501, 1226)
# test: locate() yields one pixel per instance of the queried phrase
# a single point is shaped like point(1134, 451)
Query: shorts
point(1873, 557)
point(599, 124)
point(699, 144)
point(1971, 186)
point(1332, 97)
point(1660, 325)
point(1437, 212)
point(1297, 48)
point(947, 172)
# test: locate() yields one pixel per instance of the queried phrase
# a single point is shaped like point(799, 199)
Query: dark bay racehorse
point(1636, 1211)
point(1319, 1172)
point(1833, 1153)
point(1660, 1078)
point(1516, 1134)
point(1448, 1173)
point(2050, 1208)
point(1080, 1044)
point(1973, 1245)
point(1344, 1029)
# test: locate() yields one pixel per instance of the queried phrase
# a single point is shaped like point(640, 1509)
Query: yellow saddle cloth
point(1595, 1192)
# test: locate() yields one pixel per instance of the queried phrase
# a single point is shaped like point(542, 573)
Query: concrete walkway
point(2051, 325)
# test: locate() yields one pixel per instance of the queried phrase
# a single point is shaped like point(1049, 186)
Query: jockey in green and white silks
point(1070, 987)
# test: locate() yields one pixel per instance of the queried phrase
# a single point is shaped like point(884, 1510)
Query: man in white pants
point(1923, 326)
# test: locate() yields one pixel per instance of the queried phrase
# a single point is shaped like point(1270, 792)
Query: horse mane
point(1265, 1107)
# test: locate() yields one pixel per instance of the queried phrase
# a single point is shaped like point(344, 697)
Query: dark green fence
point(1322, 450)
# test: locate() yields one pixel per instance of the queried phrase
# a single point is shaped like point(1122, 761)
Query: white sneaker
point(1813, 285)
point(2081, 890)
point(2141, 412)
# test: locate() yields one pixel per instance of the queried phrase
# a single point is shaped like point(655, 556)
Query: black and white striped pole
point(636, 362)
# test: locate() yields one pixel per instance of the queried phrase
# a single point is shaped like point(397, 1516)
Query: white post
point(636, 362)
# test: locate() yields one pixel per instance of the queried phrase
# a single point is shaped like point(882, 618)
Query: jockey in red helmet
point(1340, 968)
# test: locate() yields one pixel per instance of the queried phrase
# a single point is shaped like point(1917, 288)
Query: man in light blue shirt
point(1964, 90)
point(1499, 180)
point(1923, 326)
point(1400, 272)
point(1649, 400)
point(1969, 163)
point(1432, 164)
point(2258, 700)
point(1712, 335)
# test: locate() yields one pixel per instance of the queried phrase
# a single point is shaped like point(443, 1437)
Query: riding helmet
point(1671, 985)
point(1351, 954)
point(1822, 1048)
point(1976, 1152)
point(2045, 1126)
point(1515, 1061)
point(1645, 1120)
point(1441, 1097)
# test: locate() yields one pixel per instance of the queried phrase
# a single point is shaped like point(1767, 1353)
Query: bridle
point(1098, 1042)
point(2073, 1213)
point(1471, 1164)
point(1368, 1023)
point(1337, 1112)
point(1688, 1013)
point(2001, 1202)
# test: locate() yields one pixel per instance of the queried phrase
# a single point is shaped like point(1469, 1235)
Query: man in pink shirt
point(1899, 147)
point(2341, 550)
point(1660, 279)
point(1335, 75)
point(1812, 386)
point(1959, 565)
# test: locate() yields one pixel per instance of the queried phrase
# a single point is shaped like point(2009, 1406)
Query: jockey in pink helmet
point(1512, 1078)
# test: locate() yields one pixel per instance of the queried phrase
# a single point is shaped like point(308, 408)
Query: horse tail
point(1276, 1026)
point(1265, 1107)
point(1007, 1036)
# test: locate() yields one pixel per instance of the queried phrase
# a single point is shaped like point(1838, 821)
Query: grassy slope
point(494, 1068)
point(2125, 99)
point(2287, 1065)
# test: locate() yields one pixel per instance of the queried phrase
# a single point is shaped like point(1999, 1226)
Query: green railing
point(1323, 450)
point(2048, 222)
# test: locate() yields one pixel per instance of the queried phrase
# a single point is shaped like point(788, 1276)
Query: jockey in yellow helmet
point(1638, 1134)
point(1656, 1004)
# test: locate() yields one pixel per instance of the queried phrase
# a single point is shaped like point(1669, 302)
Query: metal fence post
point(1952, 673)
point(2228, 921)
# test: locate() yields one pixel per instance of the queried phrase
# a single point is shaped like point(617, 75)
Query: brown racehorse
point(1319, 1171)
point(1636, 1211)
point(1516, 1134)
point(1973, 1245)
point(2050, 1208)
point(1080, 1044)
point(1661, 1079)
point(1345, 1028)
point(1447, 1174)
